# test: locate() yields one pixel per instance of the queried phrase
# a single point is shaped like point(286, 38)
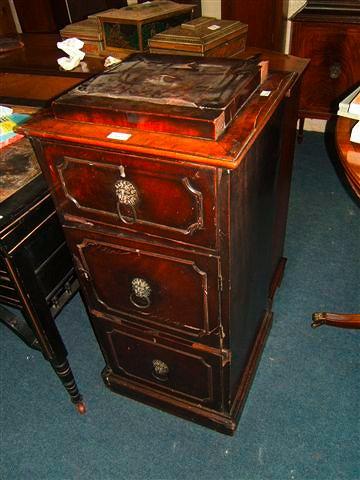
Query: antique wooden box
point(131, 27)
point(186, 95)
point(174, 238)
point(89, 32)
point(202, 36)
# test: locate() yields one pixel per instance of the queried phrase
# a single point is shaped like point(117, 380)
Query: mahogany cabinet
point(266, 20)
point(176, 245)
point(328, 33)
point(52, 15)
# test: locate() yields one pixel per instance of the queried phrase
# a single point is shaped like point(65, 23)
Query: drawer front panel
point(163, 365)
point(161, 198)
point(128, 278)
point(229, 48)
point(334, 67)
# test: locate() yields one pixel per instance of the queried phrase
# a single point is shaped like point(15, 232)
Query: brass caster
point(81, 408)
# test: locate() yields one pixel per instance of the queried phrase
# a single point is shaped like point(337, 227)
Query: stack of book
point(350, 108)
point(8, 122)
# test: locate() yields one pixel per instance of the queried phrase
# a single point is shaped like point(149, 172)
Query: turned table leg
point(63, 371)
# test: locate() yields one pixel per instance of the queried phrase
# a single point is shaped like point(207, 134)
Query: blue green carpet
point(301, 419)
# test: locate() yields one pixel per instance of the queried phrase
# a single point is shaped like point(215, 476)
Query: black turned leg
point(63, 371)
point(37, 312)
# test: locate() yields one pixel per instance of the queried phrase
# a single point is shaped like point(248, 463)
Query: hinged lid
point(202, 32)
point(145, 12)
point(192, 96)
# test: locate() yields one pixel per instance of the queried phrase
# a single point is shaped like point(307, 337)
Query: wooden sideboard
point(328, 33)
point(178, 246)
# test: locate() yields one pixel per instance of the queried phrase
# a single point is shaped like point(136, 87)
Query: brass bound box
point(132, 26)
point(184, 95)
point(204, 36)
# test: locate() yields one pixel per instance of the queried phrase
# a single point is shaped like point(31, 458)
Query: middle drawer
point(161, 287)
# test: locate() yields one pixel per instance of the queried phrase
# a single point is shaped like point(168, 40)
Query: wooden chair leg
point(342, 320)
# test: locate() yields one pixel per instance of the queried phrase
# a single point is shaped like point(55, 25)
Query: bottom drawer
point(173, 368)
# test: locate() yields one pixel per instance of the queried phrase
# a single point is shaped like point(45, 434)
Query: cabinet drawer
point(164, 365)
point(155, 285)
point(129, 192)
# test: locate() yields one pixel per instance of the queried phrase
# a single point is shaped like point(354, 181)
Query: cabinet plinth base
point(220, 421)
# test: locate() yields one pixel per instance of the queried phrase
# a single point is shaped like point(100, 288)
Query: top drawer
point(129, 192)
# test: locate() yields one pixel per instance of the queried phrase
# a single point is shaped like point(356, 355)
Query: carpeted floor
point(301, 420)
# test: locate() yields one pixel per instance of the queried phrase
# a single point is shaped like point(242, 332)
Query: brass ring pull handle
point(160, 370)
point(140, 293)
point(128, 197)
point(335, 70)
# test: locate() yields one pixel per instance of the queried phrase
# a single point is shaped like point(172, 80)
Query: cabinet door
point(156, 287)
point(334, 69)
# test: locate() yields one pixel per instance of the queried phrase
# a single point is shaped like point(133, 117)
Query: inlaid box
point(204, 36)
point(131, 27)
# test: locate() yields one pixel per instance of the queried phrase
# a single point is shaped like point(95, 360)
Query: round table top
point(349, 152)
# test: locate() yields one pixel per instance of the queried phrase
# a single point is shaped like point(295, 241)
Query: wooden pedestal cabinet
point(328, 33)
point(173, 240)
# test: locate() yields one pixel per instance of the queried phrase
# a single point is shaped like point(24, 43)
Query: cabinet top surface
point(329, 11)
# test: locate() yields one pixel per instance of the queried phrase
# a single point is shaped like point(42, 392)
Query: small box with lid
point(203, 36)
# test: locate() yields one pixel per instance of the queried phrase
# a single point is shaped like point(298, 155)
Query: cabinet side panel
point(252, 205)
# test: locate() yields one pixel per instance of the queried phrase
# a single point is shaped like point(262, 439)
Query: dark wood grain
point(266, 20)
